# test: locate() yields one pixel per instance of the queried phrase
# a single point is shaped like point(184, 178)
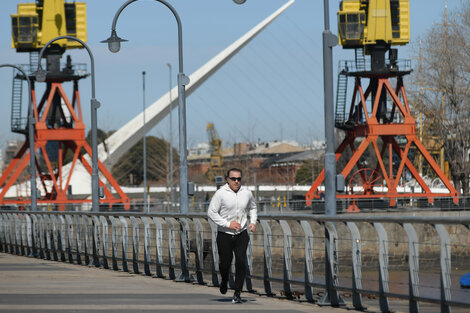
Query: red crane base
point(365, 130)
point(67, 132)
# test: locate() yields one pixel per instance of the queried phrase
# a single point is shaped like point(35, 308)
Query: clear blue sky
point(271, 90)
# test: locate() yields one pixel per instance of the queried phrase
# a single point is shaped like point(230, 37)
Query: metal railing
point(272, 205)
point(348, 66)
point(79, 69)
point(383, 258)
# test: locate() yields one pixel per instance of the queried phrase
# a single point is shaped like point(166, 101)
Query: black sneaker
point(223, 288)
point(236, 297)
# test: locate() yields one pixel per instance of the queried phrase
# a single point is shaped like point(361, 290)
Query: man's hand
point(235, 225)
point(252, 227)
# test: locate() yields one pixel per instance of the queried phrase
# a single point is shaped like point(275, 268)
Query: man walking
point(228, 209)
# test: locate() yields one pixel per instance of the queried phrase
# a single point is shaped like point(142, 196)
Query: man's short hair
point(234, 169)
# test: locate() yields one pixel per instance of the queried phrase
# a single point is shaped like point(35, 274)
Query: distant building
point(275, 162)
point(200, 149)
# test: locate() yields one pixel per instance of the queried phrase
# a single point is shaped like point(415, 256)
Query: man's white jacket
point(227, 206)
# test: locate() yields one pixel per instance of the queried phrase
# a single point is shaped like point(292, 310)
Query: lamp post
point(144, 152)
point(329, 41)
point(172, 197)
point(114, 45)
point(94, 105)
point(31, 122)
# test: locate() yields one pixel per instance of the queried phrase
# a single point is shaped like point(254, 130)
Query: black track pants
point(227, 245)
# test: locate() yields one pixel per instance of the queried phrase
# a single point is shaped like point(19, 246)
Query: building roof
point(266, 149)
point(276, 148)
point(302, 156)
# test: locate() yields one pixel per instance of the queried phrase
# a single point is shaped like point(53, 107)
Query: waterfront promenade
point(35, 285)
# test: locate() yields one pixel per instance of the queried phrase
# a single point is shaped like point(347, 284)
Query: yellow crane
point(366, 23)
point(216, 169)
point(36, 23)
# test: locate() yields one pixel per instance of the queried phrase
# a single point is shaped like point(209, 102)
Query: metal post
point(329, 41)
point(94, 105)
point(31, 122)
point(172, 196)
point(145, 145)
point(114, 44)
point(331, 296)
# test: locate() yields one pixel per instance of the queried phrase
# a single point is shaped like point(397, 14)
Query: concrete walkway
point(34, 285)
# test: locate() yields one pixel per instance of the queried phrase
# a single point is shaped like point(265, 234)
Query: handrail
point(286, 249)
point(448, 220)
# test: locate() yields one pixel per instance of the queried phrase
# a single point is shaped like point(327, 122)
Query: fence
point(279, 204)
point(325, 260)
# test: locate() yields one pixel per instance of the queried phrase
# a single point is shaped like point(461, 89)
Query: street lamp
point(172, 197)
point(94, 105)
point(144, 152)
point(114, 45)
point(329, 41)
point(32, 155)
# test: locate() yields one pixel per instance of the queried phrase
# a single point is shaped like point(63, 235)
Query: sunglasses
point(235, 178)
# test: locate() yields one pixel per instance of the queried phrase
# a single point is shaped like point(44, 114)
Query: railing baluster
point(287, 258)
point(159, 247)
point(34, 236)
point(78, 238)
point(96, 241)
point(24, 240)
point(104, 225)
point(171, 248)
point(11, 232)
point(215, 254)
point(356, 265)
point(135, 245)
point(63, 235)
point(114, 243)
point(29, 235)
point(88, 223)
point(42, 237)
point(2, 233)
point(308, 261)
point(383, 267)
point(55, 237)
point(68, 218)
point(124, 241)
point(413, 266)
point(184, 244)
point(249, 263)
point(199, 250)
point(268, 272)
point(331, 296)
point(147, 249)
point(18, 244)
point(445, 267)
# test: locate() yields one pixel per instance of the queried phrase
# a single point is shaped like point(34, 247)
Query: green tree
point(129, 168)
point(442, 94)
point(309, 171)
point(102, 136)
